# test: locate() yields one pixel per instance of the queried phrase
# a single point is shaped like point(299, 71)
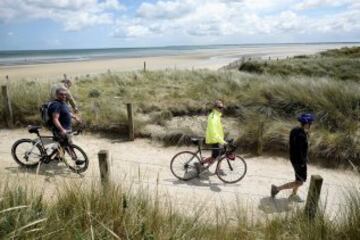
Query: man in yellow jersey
point(215, 132)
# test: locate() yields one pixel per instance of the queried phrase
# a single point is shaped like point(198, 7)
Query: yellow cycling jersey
point(214, 130)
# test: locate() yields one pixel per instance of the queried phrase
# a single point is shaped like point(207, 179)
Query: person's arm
point(55, 119)
point(72, 101)
point(73, 116)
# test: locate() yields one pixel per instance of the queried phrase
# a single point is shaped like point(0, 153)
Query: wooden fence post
point(130, 121)
point(312, 201)
point(9, 117)
point(103, 156)
point(144, 66)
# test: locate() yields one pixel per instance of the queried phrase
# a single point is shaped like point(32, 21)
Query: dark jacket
point(298, 146)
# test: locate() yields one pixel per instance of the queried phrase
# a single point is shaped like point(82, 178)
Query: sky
point(66, 24)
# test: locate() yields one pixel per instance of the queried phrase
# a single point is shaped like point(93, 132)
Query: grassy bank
point(341, 64)
point(92, 213)
point(168, 105)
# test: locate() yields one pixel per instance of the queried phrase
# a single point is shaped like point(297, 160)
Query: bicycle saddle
point(197, 140)
point(34, 129)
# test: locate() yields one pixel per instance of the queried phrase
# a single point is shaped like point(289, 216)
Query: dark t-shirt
point(64, 111)
point(298, 146)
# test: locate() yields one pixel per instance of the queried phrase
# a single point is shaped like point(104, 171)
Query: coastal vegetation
point(262, 106)
point(92, 212)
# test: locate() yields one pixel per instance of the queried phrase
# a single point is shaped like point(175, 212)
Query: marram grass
point(79, 212)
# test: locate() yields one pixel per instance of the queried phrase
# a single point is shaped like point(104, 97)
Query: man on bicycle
point(61, 117)
point(298, 143)
point(215, 132)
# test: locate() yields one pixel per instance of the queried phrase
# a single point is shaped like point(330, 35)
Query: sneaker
point(295, 198)
point(274, 191)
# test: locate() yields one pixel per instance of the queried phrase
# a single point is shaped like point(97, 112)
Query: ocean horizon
point(23, 57)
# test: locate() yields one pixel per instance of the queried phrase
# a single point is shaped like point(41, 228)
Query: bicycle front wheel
point(183, 165)
point(26, 153)
point(76, 159)
point(231, 171)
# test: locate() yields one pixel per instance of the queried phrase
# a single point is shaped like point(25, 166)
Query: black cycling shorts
point(216, 152)
point(300, 172)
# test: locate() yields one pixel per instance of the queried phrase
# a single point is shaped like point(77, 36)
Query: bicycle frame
point(39, 141)
point(199, 153)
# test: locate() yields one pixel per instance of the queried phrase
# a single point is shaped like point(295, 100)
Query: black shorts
point(300, 172)
point(216, 152)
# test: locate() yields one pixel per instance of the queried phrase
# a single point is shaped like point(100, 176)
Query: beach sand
point(198, 59)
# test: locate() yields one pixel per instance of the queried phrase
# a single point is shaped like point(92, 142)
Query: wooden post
point(9, 117)
point(144, 66)
point(130, 121)
point(313, 197)
point(103, 156)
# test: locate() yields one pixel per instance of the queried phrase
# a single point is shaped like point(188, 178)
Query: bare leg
point(291, 185)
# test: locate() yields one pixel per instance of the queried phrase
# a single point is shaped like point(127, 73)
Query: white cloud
point(308, 4)
point(73, 14)
point(219, 18)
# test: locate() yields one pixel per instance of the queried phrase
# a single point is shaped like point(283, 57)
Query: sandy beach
point(203, 58)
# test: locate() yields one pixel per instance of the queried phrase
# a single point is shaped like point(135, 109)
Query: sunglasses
point(62, 94)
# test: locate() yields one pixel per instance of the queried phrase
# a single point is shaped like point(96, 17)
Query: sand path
point(146, 163)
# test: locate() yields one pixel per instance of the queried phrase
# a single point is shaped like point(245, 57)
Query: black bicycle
point(30, 153)
point(230, 168)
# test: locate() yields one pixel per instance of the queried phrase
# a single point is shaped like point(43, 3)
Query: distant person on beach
point(215, 132)
point(298, 143)
point(66, 83)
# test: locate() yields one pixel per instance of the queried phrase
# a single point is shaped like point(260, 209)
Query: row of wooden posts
point(9, 116)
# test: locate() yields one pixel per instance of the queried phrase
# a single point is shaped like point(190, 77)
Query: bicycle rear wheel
point(183, 167)
point(231, 171)
point(76, 159)
point(26, 153)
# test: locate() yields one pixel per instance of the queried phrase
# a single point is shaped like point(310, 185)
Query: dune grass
point(79, 212)
point(341, 64)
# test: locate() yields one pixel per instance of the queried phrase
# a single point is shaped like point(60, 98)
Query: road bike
point(31, 153)
point(230, 168)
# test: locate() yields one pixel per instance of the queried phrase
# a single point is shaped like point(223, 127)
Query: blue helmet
point(306, 118)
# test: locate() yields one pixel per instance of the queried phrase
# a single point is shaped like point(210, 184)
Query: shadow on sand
point(50, 170)
point(202, 181)
point(275, 205)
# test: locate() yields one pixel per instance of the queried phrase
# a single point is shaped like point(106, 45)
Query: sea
point(23, 57)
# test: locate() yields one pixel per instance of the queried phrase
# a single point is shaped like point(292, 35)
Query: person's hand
point(63, 132)
point(77, 119)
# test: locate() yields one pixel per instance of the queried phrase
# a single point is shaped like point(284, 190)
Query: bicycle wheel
point(182, 165)
point(26, 153)
point(75, 155)
point(231, 171)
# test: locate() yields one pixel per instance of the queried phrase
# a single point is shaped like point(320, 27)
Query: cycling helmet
point(306, 118)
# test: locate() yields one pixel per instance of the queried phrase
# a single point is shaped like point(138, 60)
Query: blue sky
point(53, 24)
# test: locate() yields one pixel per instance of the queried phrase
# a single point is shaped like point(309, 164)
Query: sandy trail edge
point(146, 163)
